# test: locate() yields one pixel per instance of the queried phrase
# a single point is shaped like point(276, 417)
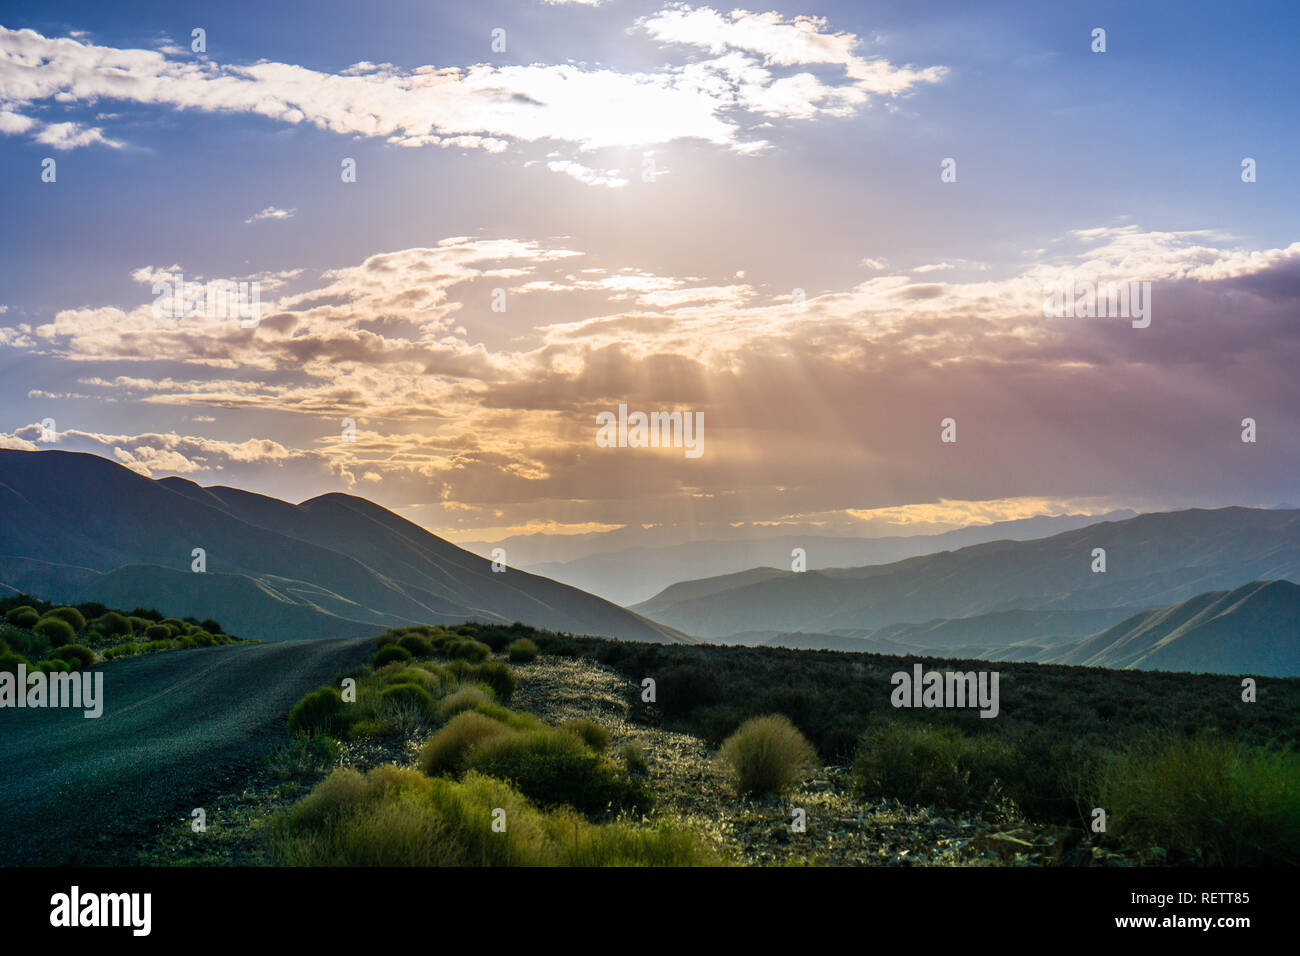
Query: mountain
point(634, 573)
point(1253, 629)
point(76, 527)
point(1152, 560)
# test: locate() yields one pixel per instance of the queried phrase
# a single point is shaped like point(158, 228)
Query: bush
point(767, 755)
point(634, 761)
point(496, 640)
point(445, 751)
point(113, 624)
point(397, 817)
point(523, 651)
point(78, 657)
point(556, 769)
point(590, 733)
point(9, 662)
point(406, 701)
point(923, 764)
point(467, 698)
point(23, 616)
point(417, 645)
point(158, 632)
point(1222, 802)
point(55, 630)
point(15, 638)
point(211, 626)
point(499, 677)
point(472, 651)
point(320, 712)
point(389, 654)
point(69, 614)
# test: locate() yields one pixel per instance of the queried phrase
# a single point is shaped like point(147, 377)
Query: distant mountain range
point(1199, 589)
point(629, 573)
point(77, 527)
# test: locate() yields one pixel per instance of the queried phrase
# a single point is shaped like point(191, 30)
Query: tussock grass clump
point(76, 656)
point(522, 651)
point(320, 712)
point(23, 616)
point(445, 751)
point(931, 764)
point(555, 769)
point(634, 761)
point(467, 650)
point(406, 702)
point(389, 654)
point(467, 698)
point(1221, 801)
point(158, 632)
point(9, 662)
point(589, 732)
point(417, 645)
point(499, 677)
point(398, 817)
point(113, 624)
point(767, 755)
point(70, 614)
point(15, 639)
point(55, 630)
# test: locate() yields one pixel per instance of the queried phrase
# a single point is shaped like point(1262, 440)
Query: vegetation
point(522, 651)
point(767, 755)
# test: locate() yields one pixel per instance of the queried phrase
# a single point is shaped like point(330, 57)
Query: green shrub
point(557, 769)
point(320, 712)
point(925, 764)
point(499, 677)
point(113, 624)
point(589, 732)
point(78, 657)
point(389, 654)
point(23, 616)
point(445, 751)
point(417, 644)
point(55, 630)
point(767, 755)
point(634, 761)
point(1221, 802)
point(472, 651)
point(9, 662)
point(15, 638)
point(406, 701)
point(467, 698)
point(69, 614)
point(158, 632)
point(55, 665)
point(523, 651)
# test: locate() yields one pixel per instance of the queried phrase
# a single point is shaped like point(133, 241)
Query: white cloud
point(272, 212)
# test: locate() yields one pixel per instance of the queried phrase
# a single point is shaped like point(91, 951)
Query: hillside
point(1152, 560)
point(79, 527)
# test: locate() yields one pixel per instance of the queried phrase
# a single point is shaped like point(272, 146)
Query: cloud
point(271, 212)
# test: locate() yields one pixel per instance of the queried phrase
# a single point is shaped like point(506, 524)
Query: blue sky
point(828, 191)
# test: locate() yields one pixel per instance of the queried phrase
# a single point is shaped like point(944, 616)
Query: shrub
point(23, 616)
point(406, 701)
point(78, 657)
point(523, 651)
point(55, 630)
point(320, 712)
point(556, 769)
point(634, 760)
point(767, 755)
point(158, 632)
point(467, 698)
point(499, 677)
point(445, 751)
point(1222, 802)
point(472, 651)
point(113, 624)
point(211, 626)
point(923, 764)
point(9, 662)
point(590, 733)
point(389, 654)
point(303, 755)
point(69, 614)
point(15, 638)
point(416, 644)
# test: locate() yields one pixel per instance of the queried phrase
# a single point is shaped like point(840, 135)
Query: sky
point(822, 229)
